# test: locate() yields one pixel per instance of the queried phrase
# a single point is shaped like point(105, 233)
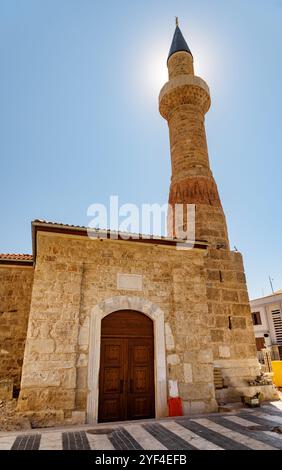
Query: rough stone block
point(237, 372)
point(176, 372)
point(197, 407)
point(173, 359)
point(6, 389)
point(81, 399)
point(205, 356)
point(68, 378)
point(42, 345)
point(203, 373)
point(239, 322)
point(229, 295)
point(224, 351)
point(65, 346)
point(169, 340)
point(188, 375)
point(190, 356)
point(241, 310)
point(244, 297)
point(44, 419)
point(241, 277)
point(213, 294)
point(43, 378)
point(237, 363)
point(35, 399)
point(77, 418)
point(213, 275)
point(221, 321)
point(81, 377)
point(204, 391)
point(83, 337)
point(217, 336)
point(82, 360)
point(186, 407)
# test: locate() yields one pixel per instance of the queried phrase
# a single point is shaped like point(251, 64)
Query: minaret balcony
point(183, 90)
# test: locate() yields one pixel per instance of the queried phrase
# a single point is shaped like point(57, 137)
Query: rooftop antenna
point(271, 285)
point(176, 21)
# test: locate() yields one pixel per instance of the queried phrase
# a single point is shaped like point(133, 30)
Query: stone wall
point(72, 276)
point(229, 319)
point(201, 292)
point(15, 294)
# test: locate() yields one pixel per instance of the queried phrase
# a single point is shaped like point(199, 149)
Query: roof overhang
point(14, 261)
point(267, 300)
point(43, 226)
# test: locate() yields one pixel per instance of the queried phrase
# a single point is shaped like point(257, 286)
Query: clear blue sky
point(79, 118)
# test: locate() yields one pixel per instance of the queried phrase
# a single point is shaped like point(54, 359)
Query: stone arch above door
point(103, 309)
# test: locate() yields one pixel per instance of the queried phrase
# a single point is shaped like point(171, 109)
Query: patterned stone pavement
point(246, 429)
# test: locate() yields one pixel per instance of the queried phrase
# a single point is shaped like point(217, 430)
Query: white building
point(267, 321)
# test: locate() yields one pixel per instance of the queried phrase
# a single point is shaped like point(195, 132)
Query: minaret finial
point(178, 42)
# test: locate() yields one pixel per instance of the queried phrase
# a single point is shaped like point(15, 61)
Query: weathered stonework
point(72, 276)
point(15, 294)
point(6, 389)
point(195, 190)
point(204, 321)
point(183, 102)
point(196, 298)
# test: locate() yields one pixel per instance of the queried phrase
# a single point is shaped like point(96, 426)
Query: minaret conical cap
point(178, 43)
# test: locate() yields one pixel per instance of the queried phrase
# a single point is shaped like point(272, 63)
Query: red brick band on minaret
point(195, 190)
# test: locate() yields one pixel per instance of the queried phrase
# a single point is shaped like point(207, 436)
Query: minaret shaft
point(184, 101)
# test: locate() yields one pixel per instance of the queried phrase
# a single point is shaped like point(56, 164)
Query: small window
point(256, 318)
point(260, 343)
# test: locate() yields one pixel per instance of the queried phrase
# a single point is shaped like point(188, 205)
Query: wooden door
point(111, 380)
point(126, 383)
point(141, 379)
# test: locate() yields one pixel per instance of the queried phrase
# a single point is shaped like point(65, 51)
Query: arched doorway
point(126, 379)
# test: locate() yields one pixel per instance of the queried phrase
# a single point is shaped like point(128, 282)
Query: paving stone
point(75, 441)
point(254, 439)
point(189, 436)
point(248, 429)
point(144, 437)
point(27, 442)
point(100, 442)
point(212, 436)
point(170, 440)
point(122, 440)
point(51, 441)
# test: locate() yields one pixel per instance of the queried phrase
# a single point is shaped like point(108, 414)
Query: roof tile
point(16, 256)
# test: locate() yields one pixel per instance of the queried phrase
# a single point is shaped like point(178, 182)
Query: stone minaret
point(184, 101)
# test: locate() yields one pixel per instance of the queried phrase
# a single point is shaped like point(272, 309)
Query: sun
point(156, 73)
point(149, 72)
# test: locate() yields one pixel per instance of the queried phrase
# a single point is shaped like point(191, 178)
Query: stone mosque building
point(108, 329)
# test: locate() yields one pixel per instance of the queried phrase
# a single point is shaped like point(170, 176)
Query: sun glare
point(149, 71)
point(155, 73)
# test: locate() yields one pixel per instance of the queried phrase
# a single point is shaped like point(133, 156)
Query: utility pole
point(271, 285)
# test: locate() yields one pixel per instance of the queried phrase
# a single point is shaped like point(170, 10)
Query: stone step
point(229, 407)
